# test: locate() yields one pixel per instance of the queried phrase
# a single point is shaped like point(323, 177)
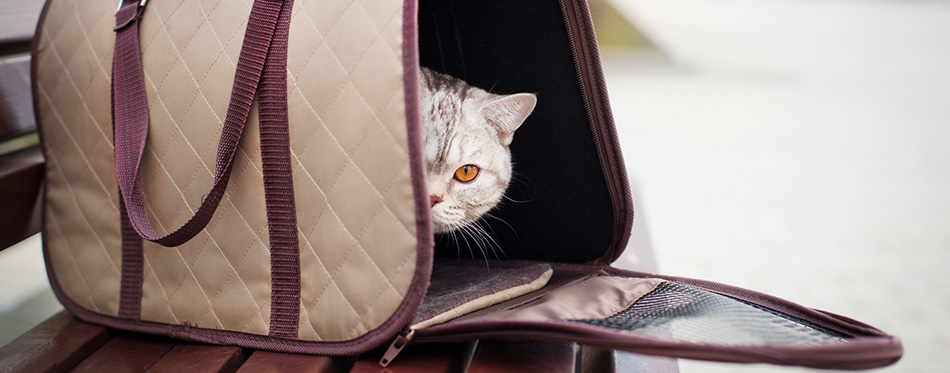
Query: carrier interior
point(558, 208)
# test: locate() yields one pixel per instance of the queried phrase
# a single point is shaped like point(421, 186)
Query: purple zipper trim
point(594, 91)
point(857, 353)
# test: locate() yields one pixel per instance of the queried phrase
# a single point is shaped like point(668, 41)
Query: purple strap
point(131, 115)
point(279, 185)
point(133, 259)
point(130, 287)
point(261, 69)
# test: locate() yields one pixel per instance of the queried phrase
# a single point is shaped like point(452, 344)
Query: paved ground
point(25, 296)
point(798, 148)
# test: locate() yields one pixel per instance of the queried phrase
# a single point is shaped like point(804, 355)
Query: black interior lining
point(558, 207)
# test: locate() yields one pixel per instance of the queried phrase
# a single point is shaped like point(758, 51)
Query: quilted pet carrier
point(251, 173)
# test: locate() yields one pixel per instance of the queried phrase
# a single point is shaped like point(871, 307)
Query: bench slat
point(422, 358)
point(266, 361)
point(523, 356)
point(21, 178)
point(597, 360)
point(126, 354)
point(18, 18)
point(58, 344)
point(187, 357)
point(16, 100)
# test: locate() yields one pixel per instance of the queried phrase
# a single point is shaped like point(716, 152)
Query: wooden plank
point(422, 358)
point(21, 179)
point(16, 99)
point(18, 20)
point(57, 345)
point(126, 353)
point(187, 357)
point(266, 361)
point(523, 356)
point(597, 360)
point(21, 161)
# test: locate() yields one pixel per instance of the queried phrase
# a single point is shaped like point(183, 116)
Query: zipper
point(402, 340)
point(859, 353)
point(598, 126)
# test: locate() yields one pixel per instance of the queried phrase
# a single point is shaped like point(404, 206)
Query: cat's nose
point(434, 200)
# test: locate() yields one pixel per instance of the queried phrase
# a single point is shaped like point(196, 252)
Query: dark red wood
point(16, 101)
point(187, 357)
point(597, 360)
point(17, 24)
point(266, 361)
point(21, 178)
point(423, 358)
point(523, 357)
point(58, 344)
point(133, 353)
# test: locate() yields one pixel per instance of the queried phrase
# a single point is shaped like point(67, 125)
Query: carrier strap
point(279, 184)
point(261, 70)
point(131, 117)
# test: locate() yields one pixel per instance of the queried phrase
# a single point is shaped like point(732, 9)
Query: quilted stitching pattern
point(351, 237)
point(82, 205)
point(220, 279)
point(348, 141)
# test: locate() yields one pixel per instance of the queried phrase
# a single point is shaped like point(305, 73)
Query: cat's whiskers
point(484, 240)
point(482, 243)
point(467, 231)
point(488, 214)
point(455, 240)
point(492, 240)
point(516, 177)
point(465, 235)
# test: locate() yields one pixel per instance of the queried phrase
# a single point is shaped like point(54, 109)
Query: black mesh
point(682, 313)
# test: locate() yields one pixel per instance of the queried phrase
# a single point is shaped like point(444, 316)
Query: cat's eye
point(466, 173)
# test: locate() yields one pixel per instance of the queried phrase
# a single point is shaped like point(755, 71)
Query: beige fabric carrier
point(270, 154)
point(356, 216)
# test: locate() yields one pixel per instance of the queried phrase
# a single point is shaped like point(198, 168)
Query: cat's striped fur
point(465, 125)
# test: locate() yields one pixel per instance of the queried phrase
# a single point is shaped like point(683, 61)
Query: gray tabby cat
point(467, 132)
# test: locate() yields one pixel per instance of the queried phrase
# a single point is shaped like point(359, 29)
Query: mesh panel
point(682, 313)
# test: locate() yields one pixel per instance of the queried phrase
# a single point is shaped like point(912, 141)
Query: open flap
point(658, 309)
point(675, 317)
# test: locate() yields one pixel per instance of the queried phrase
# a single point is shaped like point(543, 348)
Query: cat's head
point(467, 134)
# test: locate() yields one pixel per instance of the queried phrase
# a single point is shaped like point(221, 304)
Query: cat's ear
point(508, 112)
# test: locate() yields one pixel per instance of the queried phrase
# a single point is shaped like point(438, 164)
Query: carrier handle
point(131, 117)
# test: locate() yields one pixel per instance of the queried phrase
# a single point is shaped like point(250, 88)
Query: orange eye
point(466, 173)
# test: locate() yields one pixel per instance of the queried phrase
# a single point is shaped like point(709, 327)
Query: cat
point(467, 133)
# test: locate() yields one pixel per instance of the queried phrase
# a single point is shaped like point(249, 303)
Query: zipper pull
point(396, 347)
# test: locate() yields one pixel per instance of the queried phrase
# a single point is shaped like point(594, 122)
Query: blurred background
point(798, 148)
point(793, 147)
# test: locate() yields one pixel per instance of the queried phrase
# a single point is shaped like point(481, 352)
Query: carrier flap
point(652, 314)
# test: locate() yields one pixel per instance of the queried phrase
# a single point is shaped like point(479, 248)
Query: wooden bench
point(63, 343)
